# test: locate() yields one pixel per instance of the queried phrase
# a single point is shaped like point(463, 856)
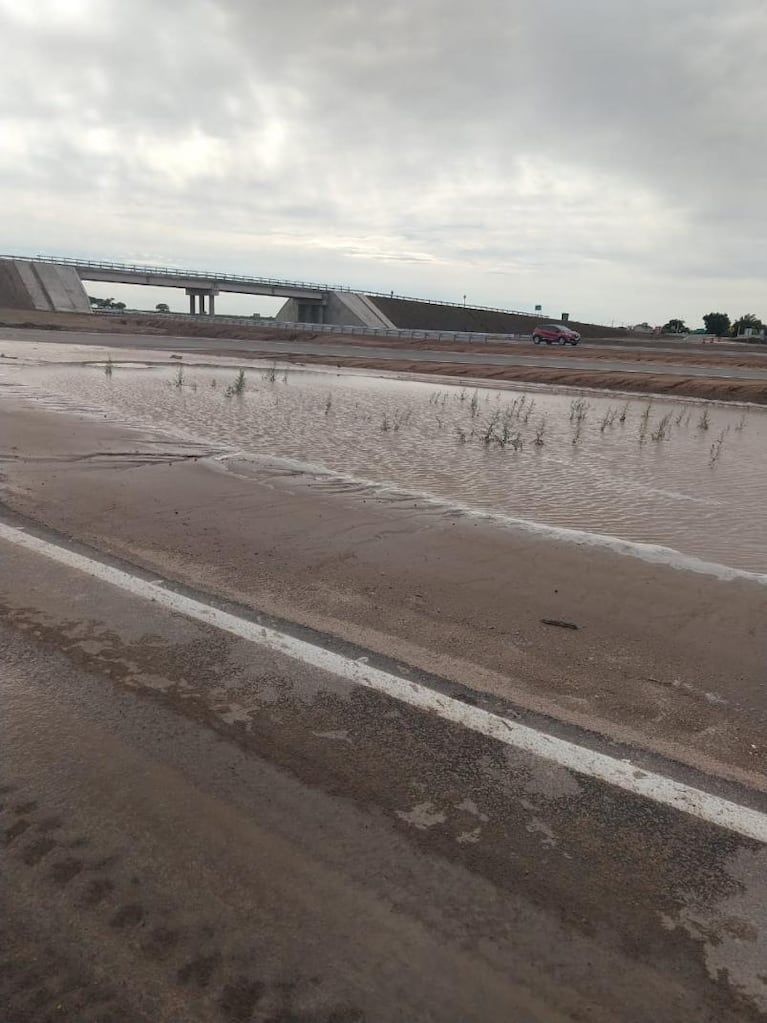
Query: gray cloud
point(607, 154)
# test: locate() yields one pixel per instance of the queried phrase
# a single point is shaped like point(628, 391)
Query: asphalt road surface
point(550, 358)
point(338, 855)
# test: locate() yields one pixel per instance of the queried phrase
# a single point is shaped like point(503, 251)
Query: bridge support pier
point(197, 298)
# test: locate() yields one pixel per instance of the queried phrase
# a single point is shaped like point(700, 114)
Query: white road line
point(580, 759)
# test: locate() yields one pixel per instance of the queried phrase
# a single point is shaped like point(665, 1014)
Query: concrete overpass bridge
point(56, 284)
point(201, 288)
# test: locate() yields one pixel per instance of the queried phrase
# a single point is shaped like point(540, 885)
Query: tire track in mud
point(156, 944)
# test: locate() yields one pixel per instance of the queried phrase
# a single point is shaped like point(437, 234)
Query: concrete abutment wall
point(49, 287)
point(343, 308)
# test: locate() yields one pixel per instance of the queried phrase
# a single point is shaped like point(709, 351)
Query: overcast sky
point(602, 157)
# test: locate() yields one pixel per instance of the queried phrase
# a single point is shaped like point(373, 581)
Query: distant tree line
point(109, 303)
point(718, 324)
point(105, 303)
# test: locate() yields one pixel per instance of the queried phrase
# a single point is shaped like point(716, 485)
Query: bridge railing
point(322, 328)
point(216, 277)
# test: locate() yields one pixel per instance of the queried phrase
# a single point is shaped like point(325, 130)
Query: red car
point(555, 333)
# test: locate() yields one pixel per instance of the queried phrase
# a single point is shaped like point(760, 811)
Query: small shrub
point(715, 451)
point(662, 429)
point(238, 387)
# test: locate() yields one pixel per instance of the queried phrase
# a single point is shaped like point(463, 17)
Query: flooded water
point(680, 474)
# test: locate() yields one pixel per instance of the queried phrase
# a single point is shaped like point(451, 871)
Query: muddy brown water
point(685, 476)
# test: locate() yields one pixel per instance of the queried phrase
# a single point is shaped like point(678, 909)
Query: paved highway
point(549, 358)
point(200, 824)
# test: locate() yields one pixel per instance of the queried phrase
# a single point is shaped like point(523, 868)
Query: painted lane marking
point(580, 759)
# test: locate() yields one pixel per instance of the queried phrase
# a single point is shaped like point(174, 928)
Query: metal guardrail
point(320, 328)
point(216, 277)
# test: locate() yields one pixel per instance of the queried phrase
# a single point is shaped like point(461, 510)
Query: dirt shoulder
point(711, 387)
point(661, 658)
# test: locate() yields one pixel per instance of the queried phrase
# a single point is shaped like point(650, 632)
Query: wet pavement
point(195, 828)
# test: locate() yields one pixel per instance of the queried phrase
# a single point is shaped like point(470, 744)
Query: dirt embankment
point(716, 388)
point(433, 316)
point(130, 323)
